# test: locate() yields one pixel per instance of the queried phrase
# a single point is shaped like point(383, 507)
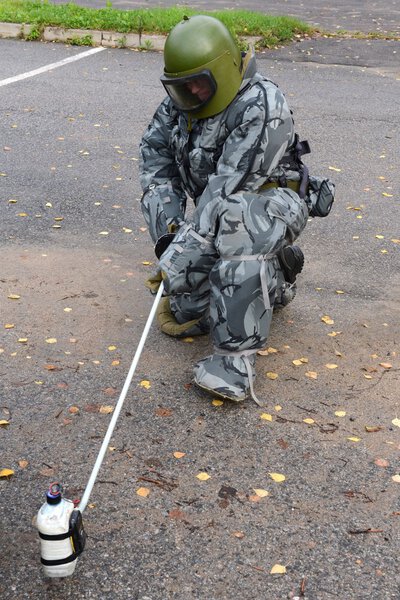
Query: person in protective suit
point(224, 137)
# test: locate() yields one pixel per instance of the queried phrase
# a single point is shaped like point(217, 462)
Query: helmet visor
point(191, 92)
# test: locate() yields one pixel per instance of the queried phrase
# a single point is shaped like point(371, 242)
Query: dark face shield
point(192, 92)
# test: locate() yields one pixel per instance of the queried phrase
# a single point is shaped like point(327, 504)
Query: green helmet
point(202, 66)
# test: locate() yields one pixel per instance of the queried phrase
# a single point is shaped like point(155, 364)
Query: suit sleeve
point(164, 200)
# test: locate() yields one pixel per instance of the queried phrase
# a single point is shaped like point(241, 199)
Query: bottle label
point(77, 536)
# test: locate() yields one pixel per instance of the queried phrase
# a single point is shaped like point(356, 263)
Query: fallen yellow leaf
point(279, 569)
point(340, 413)
point(309, 421)
point(9, 326)
point(112, 348)
point(51, 340)
point(334, 169)
point(396, 478)
point(266, 417)
point(106, 409)
point(217, 402)
point(143, 492)
point(145, 384)
point(266, 351)
point(14, 297)
point(311, 374)
point(23, 464)
point(327, 320)
point(272, 376)
point(179, 454)
point(297, 362)
point(354, 439)
point(203, 476)
point(277, 477)
point(261, 493)
point(331, 366)
point(4, 423)
point(6, 473)
point(385, 365)
point(278, 407)
point(396, 422)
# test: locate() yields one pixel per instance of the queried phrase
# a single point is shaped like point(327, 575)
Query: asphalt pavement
point(75, 254)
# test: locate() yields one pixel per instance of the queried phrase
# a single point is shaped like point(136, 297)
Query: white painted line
point(50, 67)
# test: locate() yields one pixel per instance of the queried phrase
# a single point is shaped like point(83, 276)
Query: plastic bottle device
point(58, 555)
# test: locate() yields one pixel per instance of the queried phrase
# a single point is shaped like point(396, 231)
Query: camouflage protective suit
point(221, 270)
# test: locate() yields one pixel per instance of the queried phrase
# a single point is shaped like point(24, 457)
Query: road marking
point(50, 67)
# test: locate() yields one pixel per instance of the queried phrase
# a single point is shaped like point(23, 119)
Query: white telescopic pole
point(106, 441)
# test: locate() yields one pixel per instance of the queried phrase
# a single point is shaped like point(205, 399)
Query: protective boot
point(291, 260)
point(230, 377)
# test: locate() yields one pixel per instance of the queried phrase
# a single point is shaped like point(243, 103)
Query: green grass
point(271, 30)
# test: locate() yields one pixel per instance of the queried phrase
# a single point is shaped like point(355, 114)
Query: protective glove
point(154, 281)
point(187, 260)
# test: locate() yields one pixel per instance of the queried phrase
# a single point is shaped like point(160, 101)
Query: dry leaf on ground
point(277, 477)
point(4, 473)
point(278, 570)
point(203, 476)
point(179, 454)
point(261, 493)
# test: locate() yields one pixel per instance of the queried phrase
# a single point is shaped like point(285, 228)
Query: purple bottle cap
point(54, 493)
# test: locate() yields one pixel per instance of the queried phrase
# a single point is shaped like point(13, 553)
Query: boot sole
point(211, 392)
